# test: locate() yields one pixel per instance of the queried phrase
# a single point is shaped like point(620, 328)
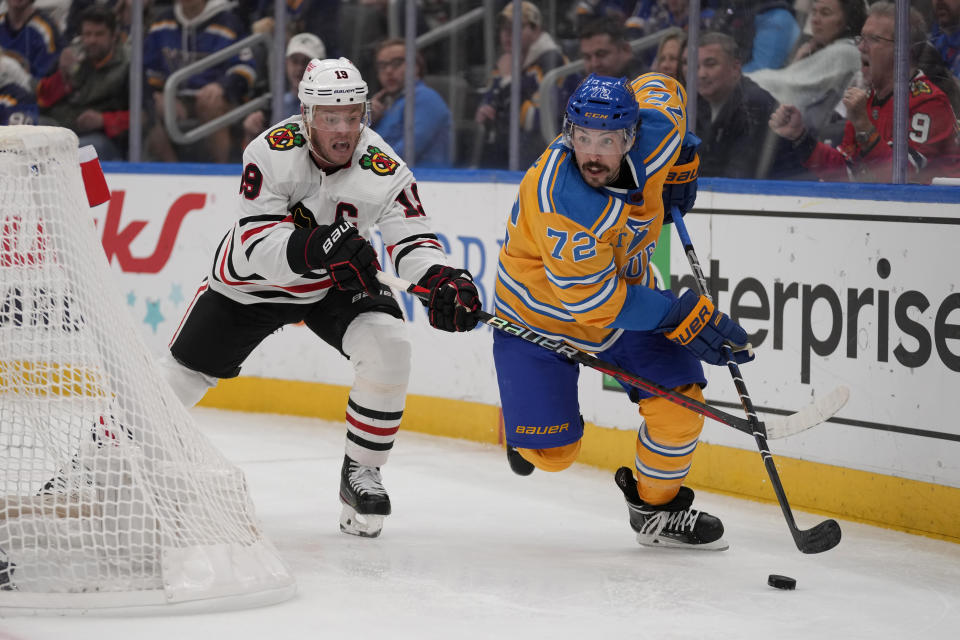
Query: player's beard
point(602, 177)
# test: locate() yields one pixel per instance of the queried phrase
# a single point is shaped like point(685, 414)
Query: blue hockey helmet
point(605, 103)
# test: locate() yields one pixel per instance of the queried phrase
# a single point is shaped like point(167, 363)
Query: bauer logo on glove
point(696, 324)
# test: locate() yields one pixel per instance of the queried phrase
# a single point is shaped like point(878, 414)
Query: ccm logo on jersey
point(539, 431)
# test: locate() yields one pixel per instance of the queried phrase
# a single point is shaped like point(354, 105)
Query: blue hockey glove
point(694, 323)
point(680, 189)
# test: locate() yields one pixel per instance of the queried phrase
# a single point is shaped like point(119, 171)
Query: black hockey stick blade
point(823, 537)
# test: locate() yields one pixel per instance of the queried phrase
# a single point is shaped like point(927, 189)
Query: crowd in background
point(789, 89)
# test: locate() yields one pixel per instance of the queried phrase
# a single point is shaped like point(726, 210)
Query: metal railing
point(239, 112)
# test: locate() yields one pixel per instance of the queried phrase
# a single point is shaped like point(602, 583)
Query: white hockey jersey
point(282, 188)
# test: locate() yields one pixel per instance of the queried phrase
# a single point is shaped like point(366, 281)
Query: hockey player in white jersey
point(313, 187)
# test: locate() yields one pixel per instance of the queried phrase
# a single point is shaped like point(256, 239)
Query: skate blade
point(666, 543)
point(365, 525)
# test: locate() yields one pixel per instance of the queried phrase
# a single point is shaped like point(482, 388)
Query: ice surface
point(473, 551)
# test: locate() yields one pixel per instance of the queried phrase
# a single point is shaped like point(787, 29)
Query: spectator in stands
point(732, 116)
point(930, 62)
point(585, 11)
point(301, 49)
point(823, 66)
point(651, 16)
point(539, 54)
point(765, 30)
point(17, 102)
point(866, 153)
point(189, 31)
point(31, 37)
point(606, 52)
point(122, 9)
point(319, 17)
point(90, 92)
point(945, 34)
point(667, 61)
point(432, 123)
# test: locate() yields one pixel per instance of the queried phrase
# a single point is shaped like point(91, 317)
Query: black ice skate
point(518, 464)
point(674, 524)
point(365, 501)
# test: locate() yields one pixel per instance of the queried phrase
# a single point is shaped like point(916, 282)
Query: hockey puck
point(781, 582)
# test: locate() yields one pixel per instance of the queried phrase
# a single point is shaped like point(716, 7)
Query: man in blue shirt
point(432, 121)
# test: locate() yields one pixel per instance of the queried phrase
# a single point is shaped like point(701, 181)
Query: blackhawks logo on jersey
point(378, 162)
point(286, 137)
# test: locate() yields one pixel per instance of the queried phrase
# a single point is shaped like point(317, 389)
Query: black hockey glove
point(453, 298)
point(694, 323)
point(680, 189)
point(341, 250)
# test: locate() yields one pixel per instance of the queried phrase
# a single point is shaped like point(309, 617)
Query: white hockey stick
point(789, 425)
point(813, 414)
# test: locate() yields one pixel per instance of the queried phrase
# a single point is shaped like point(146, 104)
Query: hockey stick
point(808, 417)
point(817, 539)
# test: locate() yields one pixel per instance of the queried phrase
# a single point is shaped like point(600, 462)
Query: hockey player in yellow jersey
point(575, 266)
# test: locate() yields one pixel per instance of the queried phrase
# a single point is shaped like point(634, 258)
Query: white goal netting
point(110, 498)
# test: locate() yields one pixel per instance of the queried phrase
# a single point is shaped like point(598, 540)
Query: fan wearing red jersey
point(866, 152)
point(313, 188)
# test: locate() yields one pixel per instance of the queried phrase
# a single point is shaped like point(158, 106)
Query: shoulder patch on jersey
point(286, 137)
point(377, 161)
point(302, 216)
point(920, 87)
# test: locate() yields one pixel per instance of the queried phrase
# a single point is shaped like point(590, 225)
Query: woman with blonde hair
point(667, 60)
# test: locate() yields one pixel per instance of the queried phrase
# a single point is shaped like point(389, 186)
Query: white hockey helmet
point(332, 82)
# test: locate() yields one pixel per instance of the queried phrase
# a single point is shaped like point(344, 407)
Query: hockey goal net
point(110, 498)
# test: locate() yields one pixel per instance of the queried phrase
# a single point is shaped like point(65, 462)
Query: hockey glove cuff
point(453, 298)
point(339, 249)
point(680, 188)
point(694, 323)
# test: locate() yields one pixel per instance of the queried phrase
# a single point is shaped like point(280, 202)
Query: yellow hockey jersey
point(575, 261)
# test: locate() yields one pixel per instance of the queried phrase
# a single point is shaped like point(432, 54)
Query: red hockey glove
point(453, 298)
